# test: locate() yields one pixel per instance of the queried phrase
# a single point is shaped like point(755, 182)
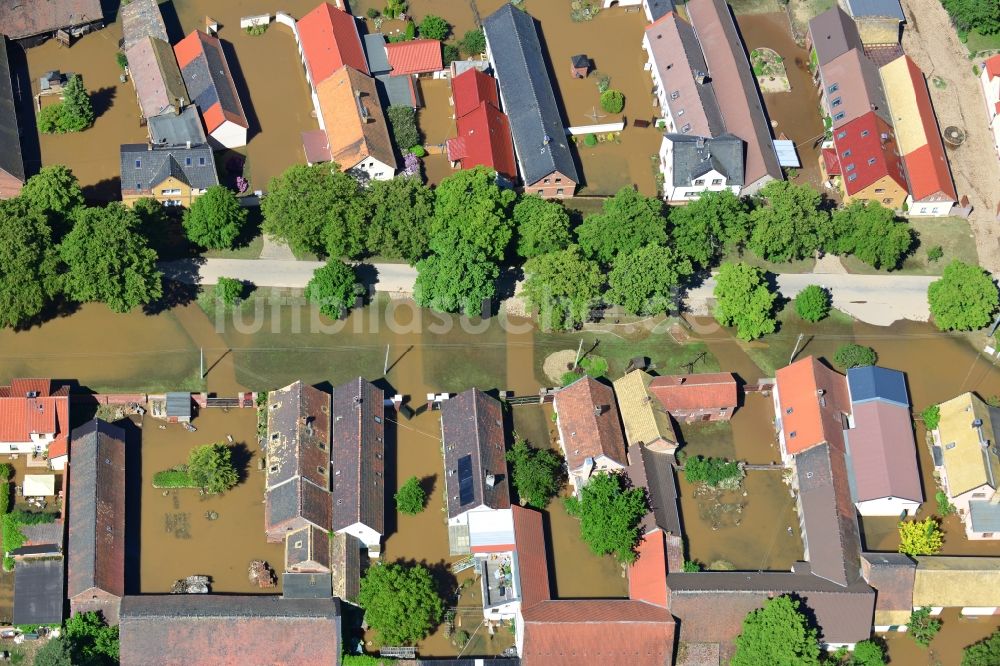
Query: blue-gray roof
point(659, 8)
point(695, 156)
point(378, 59)
point(143, 168)
point(38, 591)
point(876, 9)
point(306, 585)
point(528, 100)
point(985, 516)
point(179, 404)
point(392, 90)
point(875, 383)
point(170, 129)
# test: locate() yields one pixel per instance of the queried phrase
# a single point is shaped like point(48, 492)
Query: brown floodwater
point(956, 634)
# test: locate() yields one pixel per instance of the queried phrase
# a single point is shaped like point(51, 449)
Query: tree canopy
point(922, 627)
point(411, 497)
point(28, 263)
point(920, 537)
point(778, 633)
point(455, 282)
point(867, 653)
point(536, 473)
point(54, 191)
point(211, 468)
point(979, 15)
point(400, 602)
point(77, 110)
point(399, 213)
point(813, 303)
point(542, 226)
point(563, 286)
point(744, 300)
point(108, 260)
point(91, 641)
point(642, 282)
point(333, 288)
point(871, 232)
point(215, 219)
point(403, 124)
point(854, 356)
point(434, 27)
point(473, 43)
point(55, 652)
point(790, 225)
point(707, 226)
point(965, 298)
point(609, 513)
point(472, 212)
point(984, 653)
point(628, 221)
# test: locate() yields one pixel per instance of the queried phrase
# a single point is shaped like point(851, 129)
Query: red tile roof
point(472, 87)
point(599, 631)
point(809, 418)
point(46, 413)
point(588, 423)
point(701, 391)
point(329, 39)
point(532, 562)
point(647, 577)
point(871, 156)
point(484, 139)
point(417, 56)
point(831, 162)
point(209, 79)
point(992, 66)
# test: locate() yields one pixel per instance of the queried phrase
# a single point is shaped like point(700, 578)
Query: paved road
point(876, 299)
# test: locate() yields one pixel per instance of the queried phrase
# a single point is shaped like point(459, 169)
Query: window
point(716, 181)
point(540, 192)
point(378, 419)
point(835, 103)
point(923, 209)
point(547, 181)
point(321, 446)
point(138, 163)
point(849, 167)
point(833, 88)
point(865, 132)
point(841, 135)
point(871, 161)
point(839, 116)
point(558, 180)
point(321, 470)
point(138, 186)
point(201, 161)
point(949, 446)
point(792, 433)
point(675, 94)
point(559, 192)
point(853, 177)
point(680, 113)
point(846, 153)
point(187, 161)
point(700, 181)
point(686, 128)
point(879, 190)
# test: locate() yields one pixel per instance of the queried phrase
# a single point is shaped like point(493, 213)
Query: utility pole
point(201, 364)
point(385, 366)
point(796, 350)
point(578, 350)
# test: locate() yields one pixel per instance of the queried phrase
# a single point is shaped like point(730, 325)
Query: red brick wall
point(553, 186)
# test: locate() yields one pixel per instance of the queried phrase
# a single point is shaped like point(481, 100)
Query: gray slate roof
point(876, 9)
point(985, 516)
point(358, 455)
point(306, 586)
point(177, 130)
point(38, 591)
point(158, 164)
point(693, 157)
point(378, 59)
point(875, 383)
point(833, 34)
point(659, 8)
point(10, 139)
point(179, 404)
point(655, 471)
point(527, 95)
point(209, 81)
point(140, 19)
point(473, 434)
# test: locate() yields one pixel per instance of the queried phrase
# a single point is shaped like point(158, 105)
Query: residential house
point(878, 21)
point(811, 403)
point(358, 460)
point(328, 39)
point(892, 576)
point(476, 478)
point(156, 77)
point(852, 88)
point(932, 191)
point(967, 462)
point(173, 175)
point(181, 129)
point(831, 35)
point(990, 80)
point(226, 629)
point(141, 19)
point(967, 583)
point(96, 552)
point(38, 591)
point(590, 433)
point(868, 162)
point(484, 137)
point(392, 90)
point(645, 419)
point(34, 21)
point(692, 165)
point(297, 486)
point(708, 396)
point(543, 156)
point(881, 450)
point(34, 420)
point(12, 173)
point(211, 88)
point(654, 9)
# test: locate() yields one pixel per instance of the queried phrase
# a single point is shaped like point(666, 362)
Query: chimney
point(491, 480)
point(681, 380)
point(700, 142)
point(187, 144)
point(149, 146)
point(599, 409)
point(699, 77)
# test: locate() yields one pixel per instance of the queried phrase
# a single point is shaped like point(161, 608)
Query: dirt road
point(931, 41)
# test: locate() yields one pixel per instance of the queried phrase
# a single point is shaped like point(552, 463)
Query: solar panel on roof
point(466, 493)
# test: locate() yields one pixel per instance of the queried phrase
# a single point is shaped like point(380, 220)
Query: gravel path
point(931, 41)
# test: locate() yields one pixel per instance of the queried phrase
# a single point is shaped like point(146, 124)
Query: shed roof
point(694, 157)
point(968, 464)
point(208, 79)
point(872, 382)
point(812, 399)
point(985, 516)
point(882, 454)
point(140, 19)
point(177, 129)
point(644, 418)
point(833, 34)
point(647, 576)
point(374, 47)
point(11, 160)
point(329, 40)
point(38, 591)
point(306, 585)
point(876, 9)
point(416, 56)
point(708, 390)
point(156, 78)
point(536, 125)
point(657, 469)
point(143, 168)
point(27, 18)
point(588, 423)
point(179, 404)
point(356, 128)
point(358, 455)
point(956, 582)
point(473, 435)
point(532, 560)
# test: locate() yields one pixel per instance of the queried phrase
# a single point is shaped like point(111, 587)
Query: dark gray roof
point(306, 586)
point(659, 8)
point(39, 549)
point(392, 90)
point(44, 533)
point(378, 59)
point(177, 129)
point(26, 18)
point(298, 499)
point(97, 509)
point(307, 550)
point(875, 383)
point(38, 591)
point(209, 81)
point(662, 486)
point(358, 455)
point(10, 139)
point(179, 404)
point(985, 516)
point(194, 166)
point(473, 434)
point(694, 156)
point(833, 34)
point(876, 9)
point(527, 95)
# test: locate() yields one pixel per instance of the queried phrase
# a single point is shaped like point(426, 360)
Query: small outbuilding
point(179, 407)
point(39, 485)
point(579, 66)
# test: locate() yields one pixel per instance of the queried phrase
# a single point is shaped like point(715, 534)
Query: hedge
point(173, 478)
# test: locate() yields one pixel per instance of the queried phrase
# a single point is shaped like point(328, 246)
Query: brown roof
point(654, 471)
point(892, 575)
point(709, 390)
point(355, 126)
point(583, 631)
point(157, 80)
point(307, 549)
point(588, 423)
point(532, 560)
point(473, 435)
point(883, 454)
point(860, 88)
point(222, 630)
point(358, 455)
point(26, 18)
point(833, 33)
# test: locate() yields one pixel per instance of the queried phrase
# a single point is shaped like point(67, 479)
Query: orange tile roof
point(417, 56)
point(811, 397)
point(647, 577)
point(353, 138)
point(329, 39)
point(22, 416)
point(992, 66)
point(532, 559)
point(700, 391)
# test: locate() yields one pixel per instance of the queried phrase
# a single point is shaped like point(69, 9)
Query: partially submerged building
point(484, 137)
point(811, 403)
point(34, 21)
point(159, 87)
point(173, 175)
point(392, 90)
point(707, 396)
point(141, 19)
point(34, 420)
point(12, 173)
point(878, 21)
point(96, 552)
point(590, 433)
point(892, 576)
point(645, 419)
point(969, 584)
point(211, 88)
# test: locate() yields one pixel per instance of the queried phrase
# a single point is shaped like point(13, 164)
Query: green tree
point(778, 633)
point(77, 111)
point(50, 119)
point(968, 15)
point(563, 286)
point(403, 124)
point(536, 473)
point(609, 513)
point(744, 300)
point(399, 213)
point(984, 653)
point(473, 43)
point(713, 472)
point(229, 290)
point(931, 417)
point(542, 226)
point(854, 356)
point(922, 627)
point(434, 27)
point(628, 221)
point(612, 101)
point(813, 303)
point(317, 209)
point(871, 232)
point(965, 298)
point(108, 260)
point(154, 222)
point(411, 498)
point(455, 282)
point(53, 191)
point(920, 537)
point(211, 468)
point(708, 226)
point(789, 223)
point(333, 288)
point(400, 602)
point(54, 652)
point(91, 641)
point(643, 281)
point(472, 212)
point(867, 653)
point(215, 219)
point(26, 251)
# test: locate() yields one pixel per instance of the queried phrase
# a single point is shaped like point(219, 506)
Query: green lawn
point(976, 42)
point(822, 339)
point(249, 251)
point(756, 6)
point(748, 257)
point(951, 233)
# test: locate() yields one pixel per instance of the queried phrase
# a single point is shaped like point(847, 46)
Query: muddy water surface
point(946, 649)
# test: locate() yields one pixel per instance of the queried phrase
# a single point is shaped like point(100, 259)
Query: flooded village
point(274, 483)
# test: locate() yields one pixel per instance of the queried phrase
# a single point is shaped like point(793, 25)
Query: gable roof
point(470, 89)
point(588, 423)
point(96, 549)
point(356, 129)
point(38, 591)
point(694, 157)
point(644, 418)
point(859, 88)
point(140, 19)
point(892, 575)
point(11, 160)
point(882, 454)
point(811, 398)
point(156, 78)
point(872, 382)
point(473, 438)
point(143, 168)
point(208, 79)
point(654, 470)
point(484, 139)
point(992, 66)
point(873, 153)
point(358, 455)
point(26, 18)
point(532, 560)
point(833, 34)
point(536, 125)
point(226, 630)
point(307, 548)
point(33, 407)
point(704, 390)
point(329, 40)
point(968, 463)
point(876, 9)
point(952, 582)
point(416, 56)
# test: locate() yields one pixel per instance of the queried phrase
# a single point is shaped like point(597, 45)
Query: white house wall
point(931, 209)
point(887, 506)
point(365, 534)
point(229, 135)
